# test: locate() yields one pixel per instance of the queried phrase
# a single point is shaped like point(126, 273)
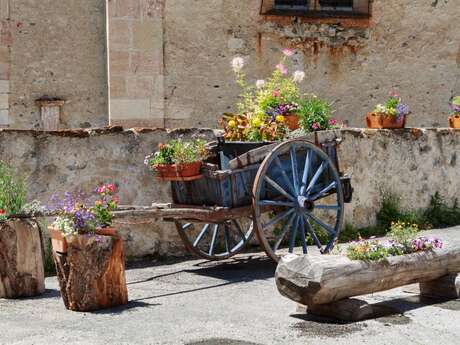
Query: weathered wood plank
point(312, 280)
point(92, 273)
point(21, 259)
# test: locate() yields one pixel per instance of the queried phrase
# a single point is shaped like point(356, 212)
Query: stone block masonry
point(5, 42)
point(415, 163)
point(136, 63)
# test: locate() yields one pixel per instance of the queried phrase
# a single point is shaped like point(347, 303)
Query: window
point(317, 8)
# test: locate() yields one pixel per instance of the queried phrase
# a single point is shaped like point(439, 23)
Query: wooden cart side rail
point(186, 212)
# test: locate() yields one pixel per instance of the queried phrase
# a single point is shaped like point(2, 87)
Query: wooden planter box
point(21, 259)
point(325, 283)
point(90, 269)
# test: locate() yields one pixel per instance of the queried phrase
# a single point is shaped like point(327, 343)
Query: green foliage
point(456, 100)
point(315, 114)
point(441, 215)
point(438, 215)
point(178, 152)
point(403, 233)
point(12, 190)
point(367, 251)
point(48, 261)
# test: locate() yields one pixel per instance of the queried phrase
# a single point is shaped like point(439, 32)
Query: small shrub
point(441, 215)
point(12, 190)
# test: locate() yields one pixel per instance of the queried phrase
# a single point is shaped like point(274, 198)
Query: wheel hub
point(304, 204)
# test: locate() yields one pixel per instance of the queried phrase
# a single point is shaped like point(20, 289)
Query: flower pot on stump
point(454, 121)
point(90, 269)
point(21, 259)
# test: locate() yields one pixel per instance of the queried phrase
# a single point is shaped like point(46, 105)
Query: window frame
point(312, 9)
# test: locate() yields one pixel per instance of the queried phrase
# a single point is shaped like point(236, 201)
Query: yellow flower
point(279, 118)
point(256, 122)
point(231, 124)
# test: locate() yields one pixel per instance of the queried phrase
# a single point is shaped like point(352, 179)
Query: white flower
point(260, 83)
point(380, 108)
point(237, 64)
point(298, 76)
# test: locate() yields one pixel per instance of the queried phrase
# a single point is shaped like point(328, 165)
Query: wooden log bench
point(324, 284)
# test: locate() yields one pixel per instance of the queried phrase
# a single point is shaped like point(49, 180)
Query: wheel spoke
point(276, 203)
point(200, 236)
point(277, 218)
point(326, 227)
point(226, 237)
point(315, 177)
point(295, 176)
point(312, 233)
point(302, 236)
point(327, 207)
point(324, 191)
point(279, 188)
point(305, 173)
point(285, 176)
point(286, 227)
point(186, 226)
point(238, 227)
point(293, 235)
point(214, 237)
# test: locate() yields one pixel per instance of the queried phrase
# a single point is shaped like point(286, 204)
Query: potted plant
point(88, 252)
point(21, 256)
point(392, 114)
point(268, 108)
point(454, 119)
point(315, 114)
point(178, 159)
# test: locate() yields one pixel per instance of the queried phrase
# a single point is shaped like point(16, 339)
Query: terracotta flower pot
point(454, 121)
point(378, 121)
point(166, 171)
point(292, 121)
point(59, 242)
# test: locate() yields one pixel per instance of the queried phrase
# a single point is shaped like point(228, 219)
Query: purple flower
point(402, 109)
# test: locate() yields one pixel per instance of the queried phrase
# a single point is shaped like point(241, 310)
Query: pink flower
point(276, 93)
point(111, 187)
point(2, 212)
point(332, 122)
point(101, 189)
point(280, 67)
point(288, 52)
point(315, 125)
point(394, 94)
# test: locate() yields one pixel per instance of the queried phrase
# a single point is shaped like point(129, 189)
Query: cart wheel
point(300, 186)
point(216, 241)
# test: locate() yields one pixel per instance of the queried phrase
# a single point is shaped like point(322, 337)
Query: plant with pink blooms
point(265, 104)
point(316, 114)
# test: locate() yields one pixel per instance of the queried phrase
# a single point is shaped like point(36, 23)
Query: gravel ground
point(236, 302)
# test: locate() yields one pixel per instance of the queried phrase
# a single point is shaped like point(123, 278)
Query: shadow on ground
point(233, 271)
point(389, 312)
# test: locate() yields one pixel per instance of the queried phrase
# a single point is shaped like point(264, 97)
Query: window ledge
point(317, 14)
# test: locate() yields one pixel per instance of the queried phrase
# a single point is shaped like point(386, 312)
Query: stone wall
point(407, 45)
point(413, 163)
point(5, 43)
point(57, 50)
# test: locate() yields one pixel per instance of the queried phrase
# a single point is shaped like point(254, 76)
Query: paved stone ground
point(200, 303)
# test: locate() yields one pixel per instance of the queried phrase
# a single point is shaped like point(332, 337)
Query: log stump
point(21, 259)
point(92, 273)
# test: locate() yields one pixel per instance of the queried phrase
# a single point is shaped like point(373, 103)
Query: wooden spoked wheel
point(299, 183)
point(216, 241)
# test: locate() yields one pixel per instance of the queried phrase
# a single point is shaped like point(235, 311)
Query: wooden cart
point(290, 194)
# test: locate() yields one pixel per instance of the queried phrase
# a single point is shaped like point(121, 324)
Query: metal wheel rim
point(193, 248)
point(259, 181)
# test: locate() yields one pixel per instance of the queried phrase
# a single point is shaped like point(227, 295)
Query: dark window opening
point(320, 8)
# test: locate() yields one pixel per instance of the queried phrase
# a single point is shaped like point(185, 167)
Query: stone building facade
point(165, 63)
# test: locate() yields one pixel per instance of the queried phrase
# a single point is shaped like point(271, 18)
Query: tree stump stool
point(91, 273)
point(21, 259)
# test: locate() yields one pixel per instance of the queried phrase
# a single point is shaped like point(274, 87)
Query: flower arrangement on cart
point(261, 176)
